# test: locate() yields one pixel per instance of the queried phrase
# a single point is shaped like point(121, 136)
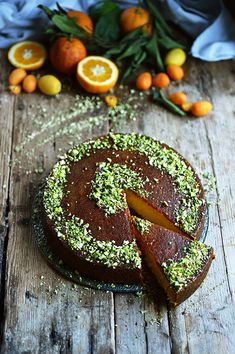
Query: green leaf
point(133, 35)
point(61, 9)
point(166, 41)
point(68, 25)
point(115, 50)
point(101, 8)
point(107, 27)
point(132, 49)
point(159, 97)
point(47, 11)
point(136, 61)
point(152, 48)
point(169, 43)
point(156, 14)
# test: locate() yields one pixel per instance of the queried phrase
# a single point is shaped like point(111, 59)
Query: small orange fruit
point(27, 55)
point(175, 72)
point(82, 19)
point(187, 106)
point(29, 84)
point(15, 89)
point(97, 74)
point(65, 54)
point(16, 76)
point(161, 80)
point(178, 98)
point(144, 81)
point(201, 108)
point(133, 18)
point(111, 100)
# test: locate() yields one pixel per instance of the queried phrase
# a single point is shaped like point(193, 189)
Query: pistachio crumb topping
point(78, 236)
point(180, 273)
point(167, 159)
point(109, 183)
point(142, 225)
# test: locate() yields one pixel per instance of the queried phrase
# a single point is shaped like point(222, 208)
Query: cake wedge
point(179, 264)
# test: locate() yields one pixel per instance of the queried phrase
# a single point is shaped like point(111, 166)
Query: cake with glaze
point(180, 265)
point(91, 190)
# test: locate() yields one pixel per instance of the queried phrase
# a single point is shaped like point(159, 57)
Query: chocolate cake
point(91, 190)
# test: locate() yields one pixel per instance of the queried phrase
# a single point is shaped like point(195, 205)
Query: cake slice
point(179, 264)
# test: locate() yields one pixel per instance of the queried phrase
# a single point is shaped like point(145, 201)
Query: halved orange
point(28, 55)
point(97, 74)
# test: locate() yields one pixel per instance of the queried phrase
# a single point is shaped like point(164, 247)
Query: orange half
point(28, 55)
point(97, 74)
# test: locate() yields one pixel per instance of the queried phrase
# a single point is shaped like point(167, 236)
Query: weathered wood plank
point(6, 124)
point(205, 322)
point(43, 312)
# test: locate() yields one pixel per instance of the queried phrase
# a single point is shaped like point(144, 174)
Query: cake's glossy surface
point(87, 219)
point(179, 264)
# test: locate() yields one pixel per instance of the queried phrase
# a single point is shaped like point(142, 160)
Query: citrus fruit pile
point(93, 46)
point(174, 60)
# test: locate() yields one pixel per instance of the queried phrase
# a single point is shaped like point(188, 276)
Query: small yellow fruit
point(111, 100)
point(49, 85)
point(187, 106)
point(15, 89)
point(201, 108)
point(176, 56)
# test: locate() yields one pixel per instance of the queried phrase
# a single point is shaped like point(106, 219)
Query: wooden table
point(41, 312)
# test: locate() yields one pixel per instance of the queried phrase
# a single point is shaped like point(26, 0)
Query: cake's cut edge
point(178, 264)
point(148, 212)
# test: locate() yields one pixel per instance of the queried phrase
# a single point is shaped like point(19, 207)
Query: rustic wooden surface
point(41, 312)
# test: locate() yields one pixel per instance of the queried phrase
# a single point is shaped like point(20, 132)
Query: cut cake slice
point(179, 264)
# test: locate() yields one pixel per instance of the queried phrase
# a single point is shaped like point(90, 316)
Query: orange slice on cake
point(28, 55)
point(97, 74)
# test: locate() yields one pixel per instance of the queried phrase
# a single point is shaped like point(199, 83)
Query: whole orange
point(133, 18)
point(65, 54)
point(82, 19)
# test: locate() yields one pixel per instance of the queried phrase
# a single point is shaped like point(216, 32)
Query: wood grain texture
point(6, 128)
point(44, 313)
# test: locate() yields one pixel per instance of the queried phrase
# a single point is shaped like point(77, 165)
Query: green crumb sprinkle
point(107, 189)
point(170, 161)
point(109, 183)
point(142, 225)
point(209, 181)
point(78, 236)
point(182, 272)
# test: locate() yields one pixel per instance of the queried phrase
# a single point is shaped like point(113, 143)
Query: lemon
point(176, 56)
point(49, 85)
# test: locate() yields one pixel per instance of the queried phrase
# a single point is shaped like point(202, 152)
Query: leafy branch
point(136, 47)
